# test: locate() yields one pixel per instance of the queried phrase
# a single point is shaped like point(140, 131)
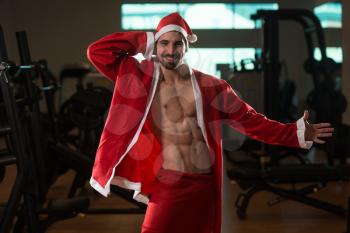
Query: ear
point(155, 58)
point(155, 48)
point(306, 115)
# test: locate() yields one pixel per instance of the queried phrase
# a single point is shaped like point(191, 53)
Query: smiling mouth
point(169, 59)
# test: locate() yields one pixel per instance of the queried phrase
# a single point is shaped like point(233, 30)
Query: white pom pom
point(192, 38)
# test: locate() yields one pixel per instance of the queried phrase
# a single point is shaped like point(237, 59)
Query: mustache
point(171, 55)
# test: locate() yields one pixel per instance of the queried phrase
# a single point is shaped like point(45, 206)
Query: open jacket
point(129, 154)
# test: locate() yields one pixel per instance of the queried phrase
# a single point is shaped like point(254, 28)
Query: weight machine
point(41, 147)
point(263, 175)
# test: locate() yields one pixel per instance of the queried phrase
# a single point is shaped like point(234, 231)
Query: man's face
point(171, 48)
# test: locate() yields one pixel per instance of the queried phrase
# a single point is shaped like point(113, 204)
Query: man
point(162, 137)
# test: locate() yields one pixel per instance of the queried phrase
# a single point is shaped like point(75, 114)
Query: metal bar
point(34, 124)
point(49, 97)
point(5, 129)
point(7, 160)
point(19, 150)
point(348, 218)
point(308, 201)
point(3, 50)
point(115, 211)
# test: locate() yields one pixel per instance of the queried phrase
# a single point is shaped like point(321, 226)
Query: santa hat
point(174, 22)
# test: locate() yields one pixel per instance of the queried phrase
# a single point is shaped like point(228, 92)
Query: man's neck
point(176, 75)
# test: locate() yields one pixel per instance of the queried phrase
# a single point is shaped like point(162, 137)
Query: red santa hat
point(174, 22)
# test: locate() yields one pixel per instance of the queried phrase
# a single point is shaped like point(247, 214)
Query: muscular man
point(173, 110)
point(162, 137)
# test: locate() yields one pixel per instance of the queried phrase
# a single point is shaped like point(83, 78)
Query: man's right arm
point(107, 53)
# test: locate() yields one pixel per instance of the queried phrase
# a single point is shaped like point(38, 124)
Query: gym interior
point(280, 56)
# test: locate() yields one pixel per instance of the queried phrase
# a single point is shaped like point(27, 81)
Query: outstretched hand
point(313, 132)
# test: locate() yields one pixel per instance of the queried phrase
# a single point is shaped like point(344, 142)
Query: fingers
point(325, 130)
point(324, 135)
point(319, 141)
point(322, 125)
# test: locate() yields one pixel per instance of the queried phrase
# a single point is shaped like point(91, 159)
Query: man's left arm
point(246, 120)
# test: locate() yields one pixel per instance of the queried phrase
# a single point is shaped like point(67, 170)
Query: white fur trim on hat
point(169, 28)
point(192, 38)
point(173, 27)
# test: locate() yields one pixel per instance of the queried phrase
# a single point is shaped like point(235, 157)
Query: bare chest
point(173, 103)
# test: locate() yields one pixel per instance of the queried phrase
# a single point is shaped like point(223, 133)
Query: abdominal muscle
point(184, 148)
point(174, 120)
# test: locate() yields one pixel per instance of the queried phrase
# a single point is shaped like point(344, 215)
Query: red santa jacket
point(129, 154)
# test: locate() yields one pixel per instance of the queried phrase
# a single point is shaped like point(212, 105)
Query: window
point(336, 53)
point(244, 11)
point(206, 59)
point(330, 14)
point(146, 16)
point(218, 15)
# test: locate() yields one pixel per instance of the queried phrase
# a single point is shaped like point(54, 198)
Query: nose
point(171, 48)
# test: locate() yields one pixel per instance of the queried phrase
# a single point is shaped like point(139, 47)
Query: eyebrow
point(177, 41)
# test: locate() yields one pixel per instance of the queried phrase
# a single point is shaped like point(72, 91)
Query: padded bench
point(314, 176)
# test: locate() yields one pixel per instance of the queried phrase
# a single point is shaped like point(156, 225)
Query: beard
point(170, 65)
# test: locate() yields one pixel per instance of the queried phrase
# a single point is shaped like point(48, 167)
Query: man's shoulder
point(206, 79)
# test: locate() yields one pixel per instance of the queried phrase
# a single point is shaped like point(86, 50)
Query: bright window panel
point(208, 15)
point(336, 53)
point(198, 15)
point(330, 14)
point(245, 10)
point(144, 16)
point(206, 59)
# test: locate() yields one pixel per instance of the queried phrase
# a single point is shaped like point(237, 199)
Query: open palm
point(314, 132)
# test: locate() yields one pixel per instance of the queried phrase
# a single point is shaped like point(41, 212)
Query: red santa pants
point(181, 203)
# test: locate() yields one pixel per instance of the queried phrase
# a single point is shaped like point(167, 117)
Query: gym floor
point(286, 217)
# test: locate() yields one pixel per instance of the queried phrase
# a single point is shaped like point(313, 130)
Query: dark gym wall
point(7, 17)
point(60, 31)
point(293, 48)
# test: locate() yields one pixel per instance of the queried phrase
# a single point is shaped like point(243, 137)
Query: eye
point(179, 43)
